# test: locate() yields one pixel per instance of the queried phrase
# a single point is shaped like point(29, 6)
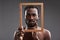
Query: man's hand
point(19, 34)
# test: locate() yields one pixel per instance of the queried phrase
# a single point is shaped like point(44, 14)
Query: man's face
point(31, 16)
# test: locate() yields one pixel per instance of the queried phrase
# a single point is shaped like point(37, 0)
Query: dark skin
point(31, 21)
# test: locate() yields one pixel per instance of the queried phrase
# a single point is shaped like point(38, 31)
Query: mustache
point(31, 20)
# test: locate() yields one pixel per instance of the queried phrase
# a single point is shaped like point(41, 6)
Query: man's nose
point(31, 17)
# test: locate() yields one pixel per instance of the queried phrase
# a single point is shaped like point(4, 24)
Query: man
point(31, 18)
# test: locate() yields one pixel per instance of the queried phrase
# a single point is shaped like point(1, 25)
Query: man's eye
point(31, 14)
point(34, 14)
point(28, 14)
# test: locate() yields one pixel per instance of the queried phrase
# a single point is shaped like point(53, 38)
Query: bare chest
point(33, 36)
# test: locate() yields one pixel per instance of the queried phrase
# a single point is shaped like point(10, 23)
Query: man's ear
point(38, 17)
point(25, 16)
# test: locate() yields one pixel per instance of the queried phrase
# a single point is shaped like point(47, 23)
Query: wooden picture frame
point(42, 16)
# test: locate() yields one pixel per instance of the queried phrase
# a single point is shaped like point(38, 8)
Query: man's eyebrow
point(32, 13)
point(28, 13)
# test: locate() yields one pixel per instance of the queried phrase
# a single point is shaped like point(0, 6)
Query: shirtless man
point(31, 18)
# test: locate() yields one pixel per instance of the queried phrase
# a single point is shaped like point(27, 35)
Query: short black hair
point(31, 6)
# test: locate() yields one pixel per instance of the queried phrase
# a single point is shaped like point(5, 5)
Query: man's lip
point(32, 22)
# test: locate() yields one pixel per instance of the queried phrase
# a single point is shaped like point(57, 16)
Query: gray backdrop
point(9, 18)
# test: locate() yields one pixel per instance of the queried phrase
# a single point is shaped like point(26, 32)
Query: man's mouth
point(31, 21)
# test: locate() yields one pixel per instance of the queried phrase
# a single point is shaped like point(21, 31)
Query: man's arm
point(47, 35)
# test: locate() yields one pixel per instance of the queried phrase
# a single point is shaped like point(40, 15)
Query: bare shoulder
point(47, 34)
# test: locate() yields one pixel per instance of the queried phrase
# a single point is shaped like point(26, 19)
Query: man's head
point(31, 16)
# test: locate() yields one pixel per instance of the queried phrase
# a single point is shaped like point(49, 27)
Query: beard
point(31, 23)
